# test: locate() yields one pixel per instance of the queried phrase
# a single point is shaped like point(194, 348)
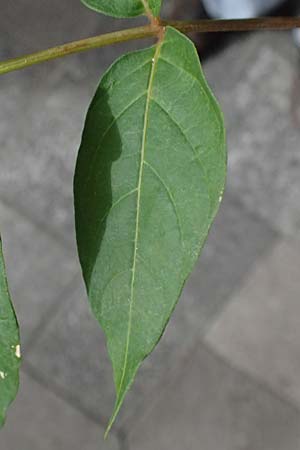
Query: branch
point(222, 25)
point(152, 30)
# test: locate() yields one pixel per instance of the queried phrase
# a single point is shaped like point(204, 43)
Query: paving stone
point(27, 19)
point(261, 103)
point(40, 147)
point(75, 352)
point(40, 151)
point(73, 348)
point(226, 258)
point(259, 331)
point(37, 26)
point(40, 420)
point(38, 269)
point(211, 406)
point(234, 56)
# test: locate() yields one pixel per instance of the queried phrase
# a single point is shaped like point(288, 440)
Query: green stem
point(78, 46)
point(152, 30)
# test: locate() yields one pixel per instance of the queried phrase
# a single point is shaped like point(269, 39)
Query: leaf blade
point(124, 8)
point(9, 346)
point(165, 177)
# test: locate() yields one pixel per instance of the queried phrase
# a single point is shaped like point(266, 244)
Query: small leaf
point(124, 8)
point(9, 346)
point(149, 179)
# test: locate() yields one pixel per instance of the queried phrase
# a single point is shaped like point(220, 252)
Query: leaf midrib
point(141, 171)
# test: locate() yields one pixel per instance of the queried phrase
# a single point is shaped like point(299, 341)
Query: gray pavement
point(226, 373)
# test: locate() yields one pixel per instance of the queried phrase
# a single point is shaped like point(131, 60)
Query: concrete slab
point(38, 268)
point(211, 406)
point(259, 331)
point(40, 420)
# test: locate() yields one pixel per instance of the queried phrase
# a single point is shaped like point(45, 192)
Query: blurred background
point(226, 374)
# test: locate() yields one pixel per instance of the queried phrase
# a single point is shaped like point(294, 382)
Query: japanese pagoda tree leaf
point(149, 180)
point(124, 8)
point(9, 346)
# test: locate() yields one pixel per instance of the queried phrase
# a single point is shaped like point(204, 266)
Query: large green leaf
point(149, 180)
point(9, 346)
point(124, 8)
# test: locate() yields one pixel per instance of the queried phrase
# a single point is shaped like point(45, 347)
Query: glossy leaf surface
point(9, 346)
point(149, 180)
point(124, 8)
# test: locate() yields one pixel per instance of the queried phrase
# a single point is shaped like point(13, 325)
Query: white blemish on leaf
point(18, 351)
